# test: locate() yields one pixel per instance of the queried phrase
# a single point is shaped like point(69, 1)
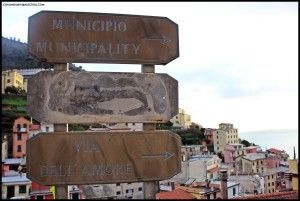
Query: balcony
point(21, 130)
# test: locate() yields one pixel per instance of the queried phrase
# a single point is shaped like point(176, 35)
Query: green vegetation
point(16, 56)
point(13, 106)
point(78, 127)
point(246, 143)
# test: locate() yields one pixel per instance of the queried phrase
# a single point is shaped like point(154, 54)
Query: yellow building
point(182, 119)
point(293, 165)
point(269, 181)
point(254, 163)
point(225, 134)
point(12, 78)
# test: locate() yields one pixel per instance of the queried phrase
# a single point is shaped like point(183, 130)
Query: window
point(272, 183)
point(19, 148)
point(262, 169)
point(19, 137)
point(75, 196)
point(127, 191)
point(256, 170)
point(47, 128)
point(18, 127)
point(133, 124)
point(233, 192)
point(118, 193)
point(39, 197)
point(269, 184)
point(24, 125)
point(217, 137)
point(272, 176)
point(140, 189)
point(8, 80)
point(257, 162)
point(22, 189)
point(273, 190)
point(118, 184)
point(261, 162)
point(126, 124)
point(269, 177)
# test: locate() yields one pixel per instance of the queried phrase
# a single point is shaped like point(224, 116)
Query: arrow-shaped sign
point(165, 155)
point(164, 39)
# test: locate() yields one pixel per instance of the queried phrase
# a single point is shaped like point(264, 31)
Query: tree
point(246, 143)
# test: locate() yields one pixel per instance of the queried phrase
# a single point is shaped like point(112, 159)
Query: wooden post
point(150, 187)
point(61, 191)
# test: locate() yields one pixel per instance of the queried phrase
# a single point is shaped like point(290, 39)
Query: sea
point(279, 139)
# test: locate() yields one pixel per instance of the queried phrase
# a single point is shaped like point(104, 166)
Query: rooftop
point(229, 183)
point(175, 194)
point(20, 179)
point(11, 161)
point(254, 156)
point(275, 195)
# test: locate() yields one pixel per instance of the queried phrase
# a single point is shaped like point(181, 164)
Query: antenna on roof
point(294, 153)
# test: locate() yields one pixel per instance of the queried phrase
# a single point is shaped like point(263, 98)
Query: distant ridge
point(16, 56)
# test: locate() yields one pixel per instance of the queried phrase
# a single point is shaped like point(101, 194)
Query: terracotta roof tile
point(175, 194)
point(275, 195)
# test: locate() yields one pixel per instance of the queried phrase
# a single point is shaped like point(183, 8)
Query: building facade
point(254, 163)
point(225, 134)
point(182, 119)
point(4, 147)
point(11, 78)
point(15, 186)
point(191, 150)
point(20, 136)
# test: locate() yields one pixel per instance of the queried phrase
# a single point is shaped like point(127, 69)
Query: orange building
point(21, 130)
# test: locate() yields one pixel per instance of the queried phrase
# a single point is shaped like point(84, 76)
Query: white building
point(233, 188)
point(4, 148)
point(15, 185)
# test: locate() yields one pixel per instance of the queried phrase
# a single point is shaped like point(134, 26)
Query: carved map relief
point(97, 95)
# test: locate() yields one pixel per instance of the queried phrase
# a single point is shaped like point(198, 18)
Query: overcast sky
point(238, 62)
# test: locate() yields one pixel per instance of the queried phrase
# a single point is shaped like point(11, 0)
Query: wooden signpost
point(78, 37)
point(95, 157)
point(63, 97)
point(91, 97)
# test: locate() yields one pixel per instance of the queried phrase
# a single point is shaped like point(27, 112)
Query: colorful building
point(254, 163)
point(20, 136)
point(12, 78)
point(209, 135)
point(182, 119)
point(293, 165)
point(225, 134)
point(15, 186)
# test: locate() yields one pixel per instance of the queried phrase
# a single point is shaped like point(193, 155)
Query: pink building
point(272, 161)
point(251, 149)
point(229, 154)
point(208, 133)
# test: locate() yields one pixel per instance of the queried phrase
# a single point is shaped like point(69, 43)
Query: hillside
point(16, 56)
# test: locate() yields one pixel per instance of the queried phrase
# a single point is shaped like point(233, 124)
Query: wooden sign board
point(93, 97)
point(79, 37)
point(103, 157)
